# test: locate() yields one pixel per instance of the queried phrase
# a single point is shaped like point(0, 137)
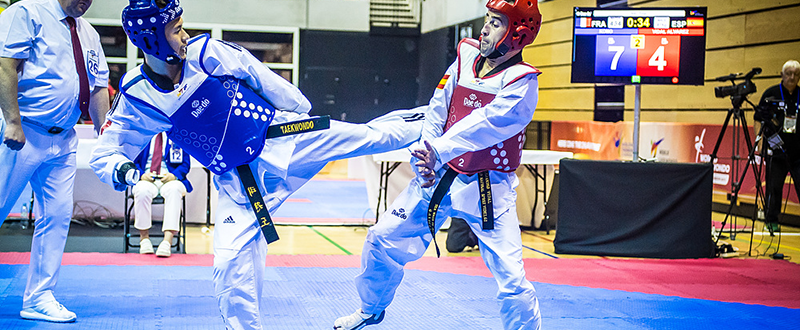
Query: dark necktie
point(80, 66)
point(158, 149)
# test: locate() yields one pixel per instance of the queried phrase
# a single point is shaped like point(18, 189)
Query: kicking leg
point(394, 130)
point(311, 151)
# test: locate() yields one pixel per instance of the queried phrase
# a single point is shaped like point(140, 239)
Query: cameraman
point(786, 159)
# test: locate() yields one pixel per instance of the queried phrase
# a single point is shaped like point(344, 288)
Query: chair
point(180, 237)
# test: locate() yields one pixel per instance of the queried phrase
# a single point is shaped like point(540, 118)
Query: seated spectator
point(165, 176)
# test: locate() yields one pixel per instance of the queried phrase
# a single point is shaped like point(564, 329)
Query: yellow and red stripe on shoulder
point(443, 81)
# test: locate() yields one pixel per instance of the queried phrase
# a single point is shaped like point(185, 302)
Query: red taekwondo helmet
point(145, 24)
point(524, 21)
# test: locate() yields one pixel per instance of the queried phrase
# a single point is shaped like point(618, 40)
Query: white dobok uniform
point(503, 105)
point(283, 165)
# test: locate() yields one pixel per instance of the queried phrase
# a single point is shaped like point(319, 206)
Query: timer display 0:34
point(638, 22)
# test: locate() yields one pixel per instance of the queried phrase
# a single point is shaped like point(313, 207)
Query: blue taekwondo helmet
point(145, 24)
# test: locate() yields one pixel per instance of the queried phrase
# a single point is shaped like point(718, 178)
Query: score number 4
point(659, 56)
point(657, 59)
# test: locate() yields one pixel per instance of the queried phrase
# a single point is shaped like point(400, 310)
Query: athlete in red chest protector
point(471, 144)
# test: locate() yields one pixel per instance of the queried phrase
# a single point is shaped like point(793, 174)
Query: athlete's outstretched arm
point(222, 58)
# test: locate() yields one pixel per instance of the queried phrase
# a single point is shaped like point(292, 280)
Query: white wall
point(338, 15)
point(333, 15)
point(437, 14)
point(290, 13)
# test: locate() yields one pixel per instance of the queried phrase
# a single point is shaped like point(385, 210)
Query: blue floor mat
point(329, 199)
point(181, 297)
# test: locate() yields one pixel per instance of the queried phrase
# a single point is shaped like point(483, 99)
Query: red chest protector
point(472, 93)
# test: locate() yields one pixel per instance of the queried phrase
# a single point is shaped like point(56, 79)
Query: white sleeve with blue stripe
point(127, 131)
point(222, 58)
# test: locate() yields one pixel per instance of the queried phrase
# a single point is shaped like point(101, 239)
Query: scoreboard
point(639, 45)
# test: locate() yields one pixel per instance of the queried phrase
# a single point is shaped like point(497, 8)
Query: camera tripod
point(739, 121)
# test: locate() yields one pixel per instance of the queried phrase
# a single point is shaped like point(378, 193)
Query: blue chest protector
point(223, 124)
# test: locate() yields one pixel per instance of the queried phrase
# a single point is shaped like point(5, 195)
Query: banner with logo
point(665, 142)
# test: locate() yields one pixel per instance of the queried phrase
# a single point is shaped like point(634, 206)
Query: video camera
point(741, 89)
point(772, 109)
point(771, 115)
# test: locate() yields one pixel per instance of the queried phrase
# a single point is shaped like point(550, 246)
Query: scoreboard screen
point(639, 45)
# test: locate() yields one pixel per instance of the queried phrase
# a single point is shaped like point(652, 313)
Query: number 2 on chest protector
point(461, 162)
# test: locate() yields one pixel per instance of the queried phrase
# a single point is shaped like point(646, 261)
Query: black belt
point(487, 208)
point(300, 126)
point(485, 188)
point(263, 220)
point(49, 129)
point(257, 202)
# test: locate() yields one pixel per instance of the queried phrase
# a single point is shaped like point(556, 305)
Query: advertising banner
point(666, 142)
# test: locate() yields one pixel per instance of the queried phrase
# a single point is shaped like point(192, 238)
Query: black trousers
point(459, 236)
point(777, 167)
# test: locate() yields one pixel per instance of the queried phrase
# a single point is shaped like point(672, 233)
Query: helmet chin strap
point(173, 59)
point(500, 50)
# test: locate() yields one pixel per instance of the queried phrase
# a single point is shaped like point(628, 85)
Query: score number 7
point(613, 57)
point(618, 50)
point(637, 42)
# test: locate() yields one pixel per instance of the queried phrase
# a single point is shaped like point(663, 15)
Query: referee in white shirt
point(52, 68)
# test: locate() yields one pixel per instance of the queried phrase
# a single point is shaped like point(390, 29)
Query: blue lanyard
point(796, 105)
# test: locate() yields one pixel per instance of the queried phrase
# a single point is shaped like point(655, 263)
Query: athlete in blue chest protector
point(218, 103)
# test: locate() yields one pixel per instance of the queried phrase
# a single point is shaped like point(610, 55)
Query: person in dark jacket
point(787, 158)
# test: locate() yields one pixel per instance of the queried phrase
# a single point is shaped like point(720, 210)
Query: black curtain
point(655, 210)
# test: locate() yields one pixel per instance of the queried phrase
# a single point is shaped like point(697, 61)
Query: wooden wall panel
point(552, 10)
point(676, 97)
point(556, 31)
point(560, 53)
point(551, 114)
point(566, 99)
point(770, 58)
point(554, 77)
point(723, 62)
point(725, 32)
point(772, 26)
point(680, 98)
point(558, 77)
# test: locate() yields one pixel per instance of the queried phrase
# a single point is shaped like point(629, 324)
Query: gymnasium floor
point(309, 282)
